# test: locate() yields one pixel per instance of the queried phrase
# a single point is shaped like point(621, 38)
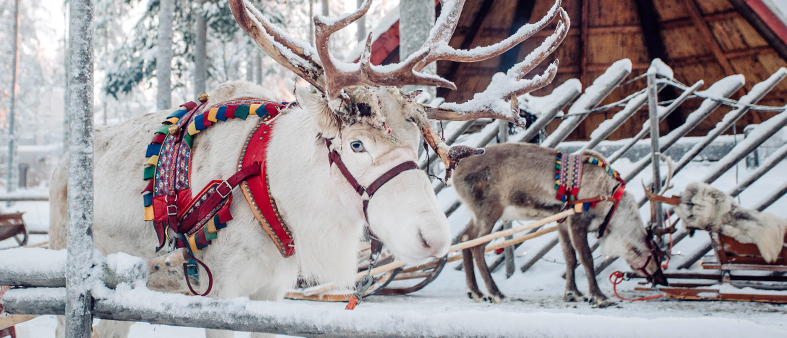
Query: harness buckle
point(172, 210)
point(223, 184)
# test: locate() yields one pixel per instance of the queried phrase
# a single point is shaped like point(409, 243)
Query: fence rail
point(124, 298)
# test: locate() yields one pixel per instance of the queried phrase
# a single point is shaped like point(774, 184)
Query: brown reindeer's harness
point(196, 221)
point(568, 179)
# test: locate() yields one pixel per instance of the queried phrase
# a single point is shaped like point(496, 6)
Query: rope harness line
point(677, 84)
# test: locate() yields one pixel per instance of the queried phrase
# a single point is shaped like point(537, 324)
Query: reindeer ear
point(316, 105)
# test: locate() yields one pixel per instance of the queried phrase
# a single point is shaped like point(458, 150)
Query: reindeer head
point(374, 126)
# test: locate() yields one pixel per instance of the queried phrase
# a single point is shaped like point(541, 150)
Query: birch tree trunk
point(251, 58)
point(200, 52)
point(164, 59)
point(258, 67)
point(79, 302)
point(11, 106)
point(361, 24)
point(326, 7)
point(311, 23)
point(416, 18)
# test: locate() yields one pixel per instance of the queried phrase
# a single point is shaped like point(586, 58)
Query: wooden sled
point(738, 266)
point(12, 225)
point(423, 274)
point(385, 272)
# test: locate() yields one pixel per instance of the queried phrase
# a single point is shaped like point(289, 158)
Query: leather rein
point(335, 158)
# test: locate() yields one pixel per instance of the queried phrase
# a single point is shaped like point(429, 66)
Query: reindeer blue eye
point(357, 146)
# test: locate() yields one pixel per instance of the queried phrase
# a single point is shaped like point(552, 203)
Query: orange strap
point(674, 200)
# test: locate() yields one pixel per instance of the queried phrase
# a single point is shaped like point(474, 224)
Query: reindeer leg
point(467, 262)
point(495, 296)
point(579, 237)
point(571, 294)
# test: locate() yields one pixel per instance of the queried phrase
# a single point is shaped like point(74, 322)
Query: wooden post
point(79, 304)
point(656, 213)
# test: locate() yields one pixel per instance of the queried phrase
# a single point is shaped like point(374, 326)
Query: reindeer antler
point(493, 102)
point(295, 55)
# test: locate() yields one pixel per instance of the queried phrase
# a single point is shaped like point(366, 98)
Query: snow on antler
point(295, 55)
point(440, 36)
point(494, 102)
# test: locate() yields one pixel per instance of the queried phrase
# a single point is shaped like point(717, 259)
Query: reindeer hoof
point(498, 299)
point(600, 301)
point(573, 296)
point(475, 296)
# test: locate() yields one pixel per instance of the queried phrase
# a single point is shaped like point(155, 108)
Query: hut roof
point(701, 40)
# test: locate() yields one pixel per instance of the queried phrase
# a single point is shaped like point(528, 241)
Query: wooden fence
point(717, 95)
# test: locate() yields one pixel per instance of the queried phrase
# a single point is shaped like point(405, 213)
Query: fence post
point(654, 145)
point(79, 302)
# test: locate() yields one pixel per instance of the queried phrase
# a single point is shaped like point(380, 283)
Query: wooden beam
point(762, 27)
point(705, 31)
point(583, 43)
point(475, 30)
point(522, 13)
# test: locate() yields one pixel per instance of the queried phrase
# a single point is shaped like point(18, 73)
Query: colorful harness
point(196, 221)
point(568, 179)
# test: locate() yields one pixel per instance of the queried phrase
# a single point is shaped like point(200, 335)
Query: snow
point(35, 261)
point(536, 307)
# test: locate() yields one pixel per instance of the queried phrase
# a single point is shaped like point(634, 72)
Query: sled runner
point(738, 269)
point(12, 225)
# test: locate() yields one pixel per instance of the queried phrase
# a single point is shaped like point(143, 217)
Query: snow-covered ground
point(535, 297)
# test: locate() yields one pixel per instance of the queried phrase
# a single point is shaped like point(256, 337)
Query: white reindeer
point(360, 109)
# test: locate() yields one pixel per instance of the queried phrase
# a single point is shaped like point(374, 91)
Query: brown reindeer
point(516, 181)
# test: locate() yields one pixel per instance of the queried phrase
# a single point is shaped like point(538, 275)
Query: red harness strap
point(257, 190)
point(216, 197)
point(335, 157)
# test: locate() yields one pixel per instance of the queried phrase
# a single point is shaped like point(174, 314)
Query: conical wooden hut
point(700, 39)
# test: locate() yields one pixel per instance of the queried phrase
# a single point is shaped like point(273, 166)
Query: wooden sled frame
point(738, 257)
point(13, 225)
point(428, 271)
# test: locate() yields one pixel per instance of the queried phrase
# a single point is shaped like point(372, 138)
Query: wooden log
point(461, 246)
point(7, 320)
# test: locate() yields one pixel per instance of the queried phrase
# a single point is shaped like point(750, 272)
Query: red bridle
point(335, 157)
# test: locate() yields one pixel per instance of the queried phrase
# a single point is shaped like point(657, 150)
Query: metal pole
point(79, 302)
point(654, 144)
point(14, 66)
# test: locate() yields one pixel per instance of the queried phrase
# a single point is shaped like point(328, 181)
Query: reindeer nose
point(659, 278)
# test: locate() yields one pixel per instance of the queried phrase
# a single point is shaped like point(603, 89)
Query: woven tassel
point(163, 130)
point(149, 187)
point(192, 128)
point(270, 108)
point(192, 240)
point(173, 120)
point(209, 236)
point(188, 139)
point(199, 122)
point(159, 138)
point(152, 161)
point(205, 121)
point(211, 226)
point(230, 113)
point(153, 149)
point(578, 208)
point(242, 112)
point(220, 114)
point(148, 173)
point(149, 213)
point(253, 109)
point(147, 200)
point(212, 114)
point(178, 113)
